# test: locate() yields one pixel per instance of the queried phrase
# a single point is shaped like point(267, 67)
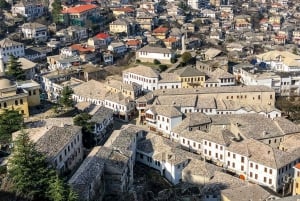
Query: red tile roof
point(133, 42)
point(102, 35)
point(79, 9)
point(297, 166)
point(161, 30)
point(82, 48)
point(170, 40)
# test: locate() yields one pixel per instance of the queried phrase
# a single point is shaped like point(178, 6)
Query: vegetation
point(156, 62)
point(83, 119)
point(10, 121)
point(15, 68)
point(162, 67)
point(31, 176)
point(56, 10)
point(290, 107)
point(66, 97)
point(4, 5)
point(186, 57)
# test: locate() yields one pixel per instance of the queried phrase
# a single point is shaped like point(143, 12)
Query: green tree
point(186, 57)
point(4, 4)
point(57, 189)
point(66, 97)
point(28, 169)
point(10, 121)
point(83, 120)
point(56, 10)
point(15, 68)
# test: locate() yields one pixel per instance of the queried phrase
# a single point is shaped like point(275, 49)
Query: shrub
point(156, 62)
point(163, 67)
point(173, 60)
point(138, 61)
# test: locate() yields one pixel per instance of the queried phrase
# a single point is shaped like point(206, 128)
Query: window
point(242, 168)
point(16, 102)
point(21, 101)
point(256, 176)
point(258, 97)
point(266, 170)
point(228, 163)
point(167, 120)
point(183, 141)
point(270, 181)
point(265, 179)
point(209, 153)
point(60, 158)
point(233, 165)
point(5, 105)
point(251, 164)
point(233, 155)
point(194, 144)
point(251, 174)
point(228, 154)
point(221, 148)
point(242, 159)
point(65, 152)
point(209, 144)
point(199, 146)
point(29, 92)
point(270, 171)
point(216, 155)
point(271, 97)
point(256, 166)
point(216, 146)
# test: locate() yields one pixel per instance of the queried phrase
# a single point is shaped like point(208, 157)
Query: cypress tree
point(28, 169)
point(15, 68)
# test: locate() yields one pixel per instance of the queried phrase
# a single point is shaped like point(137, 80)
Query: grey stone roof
point(143, 71)
point(91, 89)
point(263, 154)
point(200, 168)
point(56, 138)
point(176, 101)
point(118, 98)
point(290, 198)
point(213, 90)
point(88, 171)
point(167, 111)
point(101, 114)
point(33, 25)
point(6, 42)
point(249, 192)
point(155, 50)
point(169, 77)
point(189, 72)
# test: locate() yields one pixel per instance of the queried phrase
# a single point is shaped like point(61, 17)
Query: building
point(35, 31)
point(30, 10)
point(61, 145)
point(30, 68)
point(88, 180)
point(229, 141)
point(160, 32)
point(281, 61)
point(122, 25)
point(117, 48)
point(79, 14)
point(33, 90)
point(149, 54)
point(162, 119)
point(103, 123)
point(9, 47)
point(296, 186)
point(191, 77)
point(12, 97)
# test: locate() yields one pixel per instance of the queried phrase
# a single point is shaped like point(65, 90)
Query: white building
point(142, 75)
point(149, 54)
point(282, 61)
point(103, 119)
point(194, 4)
point(163, 118)
point(9, 47)
point(117, 48)
point(35, 31)
point(28, 10)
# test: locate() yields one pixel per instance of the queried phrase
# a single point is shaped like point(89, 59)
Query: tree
point(56, 10)
point(28, 169)
point(10, 121)
point(4, 4)
point(66, 97)
point(57, 190)
point(83, 120)
point(186, 57)
point(15, 68)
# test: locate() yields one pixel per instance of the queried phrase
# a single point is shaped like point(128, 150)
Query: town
point(165, 100)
